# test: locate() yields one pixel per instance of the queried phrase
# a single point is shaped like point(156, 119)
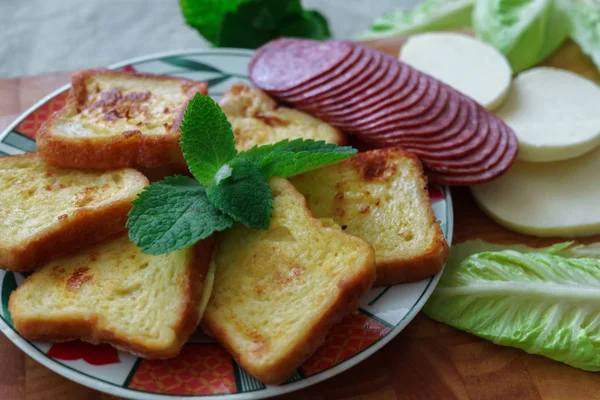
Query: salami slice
point(405, 82)
point(484, 157)
point(343, 70)
point(378, 80)
point(468, 180)
point(284, 64)
point(430, 124)
point(422, 113)
point(476, 131)
point(358, 74)
point(406, 98)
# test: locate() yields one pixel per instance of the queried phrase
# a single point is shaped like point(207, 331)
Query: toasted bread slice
point(112, 293)
point(258, 120)
point(116, 119)
point(48, 211)
point(278, 291)
point(381, 197)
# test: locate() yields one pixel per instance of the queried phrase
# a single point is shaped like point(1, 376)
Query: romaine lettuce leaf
point(585, 22)
point(537, 301)
point(431, 15)
point(525, 31)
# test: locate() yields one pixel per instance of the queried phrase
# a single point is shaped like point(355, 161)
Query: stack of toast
point(268, 296)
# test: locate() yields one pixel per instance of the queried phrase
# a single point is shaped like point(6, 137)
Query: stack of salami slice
point(388, 103)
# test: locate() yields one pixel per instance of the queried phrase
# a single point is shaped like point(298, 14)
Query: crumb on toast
point(112, 293)
point(49, 211)
point(116, 119)
point(257, 120)
point(381, 197)
point(277, 292)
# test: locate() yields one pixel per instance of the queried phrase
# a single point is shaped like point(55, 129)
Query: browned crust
point(78, 230)
point(351, 290)
point(238, 89)
point(131, 149)
point(70, 328)
point(431, 261)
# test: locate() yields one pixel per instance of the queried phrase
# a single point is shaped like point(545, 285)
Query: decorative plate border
point(252, 389)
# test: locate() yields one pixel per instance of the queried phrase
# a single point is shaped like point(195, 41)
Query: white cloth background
point(38, 36)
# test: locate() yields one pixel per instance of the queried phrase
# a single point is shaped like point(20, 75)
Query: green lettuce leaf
point(538, 301)
point(585, 22)
point(525, 31)
point(431, 15)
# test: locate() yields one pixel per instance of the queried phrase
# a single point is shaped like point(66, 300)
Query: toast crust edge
point(428, 264)
point(239, 89)
point(131, 149)
point(347, 302)
point(66, 329)
point(80, 229)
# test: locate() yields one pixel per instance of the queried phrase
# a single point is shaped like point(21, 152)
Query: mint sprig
point(228, 187)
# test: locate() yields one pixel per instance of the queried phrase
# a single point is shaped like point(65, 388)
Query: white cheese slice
point(467, 64)
point(555, 114)
point(546, 199)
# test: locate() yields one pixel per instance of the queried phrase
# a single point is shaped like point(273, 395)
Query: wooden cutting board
point(428, 360)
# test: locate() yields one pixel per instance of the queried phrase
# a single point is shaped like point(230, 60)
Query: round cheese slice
point(467, 64)
point(555, 114)
point(546, 199)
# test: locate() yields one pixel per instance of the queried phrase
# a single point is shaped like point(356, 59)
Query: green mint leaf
point(173, 214)
point(243, 194)
point(252, 23)
point(206, 16)
point(207, 140)
point(288, 158)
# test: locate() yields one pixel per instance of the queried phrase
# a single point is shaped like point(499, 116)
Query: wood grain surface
point(428, 360)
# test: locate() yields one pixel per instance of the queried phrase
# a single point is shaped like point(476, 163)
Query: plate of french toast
point(234, 223)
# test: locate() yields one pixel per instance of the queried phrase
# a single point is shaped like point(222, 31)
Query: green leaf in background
point(206, 16)
point(525, 31)
point(431, 15)
point(585, 23)
point(243, 193)
point(538, 301)
point(251, 23)
point(314, 25)
point(173, 214)
point(207, 140)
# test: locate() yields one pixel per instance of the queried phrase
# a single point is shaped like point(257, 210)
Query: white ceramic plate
point(204, 369)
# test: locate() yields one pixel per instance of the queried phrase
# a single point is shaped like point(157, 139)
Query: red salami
point(356, 75)
point(348, 66)
point(387, 103)
point(348, 96)
point(285, 64)
point(467, 180)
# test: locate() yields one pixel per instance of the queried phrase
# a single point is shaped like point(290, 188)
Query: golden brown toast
point(116, 119)
point(47, 212)
point(381, 196)
point(112, 293)
point(258, 120)
point(277, 292)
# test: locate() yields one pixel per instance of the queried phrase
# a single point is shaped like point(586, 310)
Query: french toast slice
point(47, 212)
point(381, 197)
point(277, 292)
point(112, 293)
point(257, 120)
point(116, 119)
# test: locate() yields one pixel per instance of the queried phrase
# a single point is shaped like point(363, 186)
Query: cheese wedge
point(467, 64)
point(555, 114)
point(546, 199)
